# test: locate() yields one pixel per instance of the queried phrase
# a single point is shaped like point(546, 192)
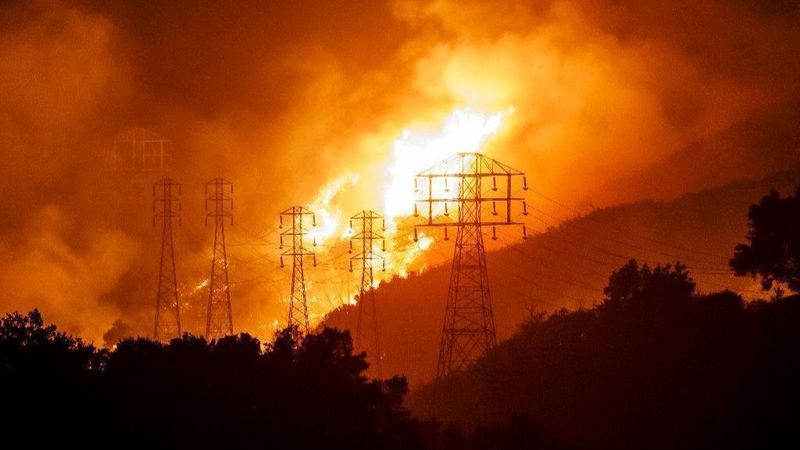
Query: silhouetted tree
point(119, 330)
point(773, 251)
point(655, 365)
point(625, 283)
point(297, 392)
point(666, 285)
point(45, 376)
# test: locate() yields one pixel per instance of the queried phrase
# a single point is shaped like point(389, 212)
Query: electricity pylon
point(468, 331)
point(166, 207)
point(219, 206)
point(298, 304)
point(142, 150)
point(363, 226)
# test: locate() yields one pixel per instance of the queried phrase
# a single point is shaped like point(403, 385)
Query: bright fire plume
point(464, 130)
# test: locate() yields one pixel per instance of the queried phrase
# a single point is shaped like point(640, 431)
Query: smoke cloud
point(612, 101)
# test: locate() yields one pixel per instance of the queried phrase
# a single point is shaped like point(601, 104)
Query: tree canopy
point(773, 251)
point(296, 392)
point(654, 365)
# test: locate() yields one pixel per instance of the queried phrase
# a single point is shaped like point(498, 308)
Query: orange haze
point(602, 102)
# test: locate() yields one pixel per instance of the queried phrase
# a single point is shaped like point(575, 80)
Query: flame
point(425, 242)
point(464, 130)
point(328, 211)
point(202, 284)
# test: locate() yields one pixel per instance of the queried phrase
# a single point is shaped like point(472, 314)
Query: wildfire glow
point(424, 242)
point(415, 150)
point(329, 215)
point(465, 130)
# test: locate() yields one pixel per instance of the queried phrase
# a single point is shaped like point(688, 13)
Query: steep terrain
point(659, 371)
point(567, 265)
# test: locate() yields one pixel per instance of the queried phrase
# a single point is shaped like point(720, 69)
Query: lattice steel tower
point(363, 225)
point(298, 304)
point(469, 330)
point(219, 207)
point(166, 207)
point(142, 150)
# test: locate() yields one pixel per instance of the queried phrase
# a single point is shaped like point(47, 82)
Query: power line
point(705, 282)
point(621, 256)
point(628, 232)
point(635, 246)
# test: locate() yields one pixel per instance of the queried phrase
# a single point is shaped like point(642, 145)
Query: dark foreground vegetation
point(654, 365)
point(58, 392)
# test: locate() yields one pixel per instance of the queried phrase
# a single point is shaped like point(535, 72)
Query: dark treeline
point(57, 392)
point(653, 366)
point(297, 393)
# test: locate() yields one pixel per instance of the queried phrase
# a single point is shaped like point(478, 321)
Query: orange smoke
point(335, 105)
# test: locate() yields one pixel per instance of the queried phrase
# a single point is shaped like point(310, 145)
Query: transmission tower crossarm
point(477, 166)
point(468, 331)
point(480, 199)
point(456, 224)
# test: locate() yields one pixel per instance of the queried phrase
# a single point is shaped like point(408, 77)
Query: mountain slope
point(656, 370)
point(567, 265)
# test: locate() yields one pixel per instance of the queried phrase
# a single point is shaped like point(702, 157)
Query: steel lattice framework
point(166, 207)
point(298, 304)
point(469, 330)
point(363, 225)
point(142, 150)
point(219, 206)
